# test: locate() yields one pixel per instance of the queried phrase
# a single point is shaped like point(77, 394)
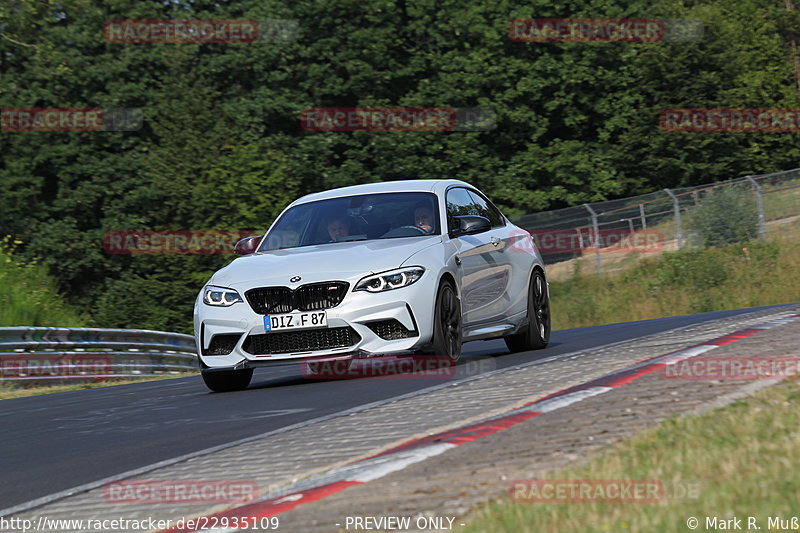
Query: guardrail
point(37, 354)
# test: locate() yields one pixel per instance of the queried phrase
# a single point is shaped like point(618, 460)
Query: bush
point(724, 216)
point(29, 296)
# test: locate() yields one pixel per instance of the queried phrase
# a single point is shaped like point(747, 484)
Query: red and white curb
point(417, 450)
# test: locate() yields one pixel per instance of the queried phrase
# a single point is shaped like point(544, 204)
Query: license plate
point(313, 319)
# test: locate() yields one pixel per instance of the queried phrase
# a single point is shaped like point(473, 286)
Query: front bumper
point(362, 325)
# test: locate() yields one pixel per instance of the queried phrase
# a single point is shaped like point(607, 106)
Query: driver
point(423, 218)
point(337, 228)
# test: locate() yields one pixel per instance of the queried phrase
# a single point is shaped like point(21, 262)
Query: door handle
point(495, 241)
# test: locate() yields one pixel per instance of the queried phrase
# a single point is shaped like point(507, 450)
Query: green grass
point(685, 282)
point(781, 203)
point(29, 296)
point(9, 390)
point(741, 460)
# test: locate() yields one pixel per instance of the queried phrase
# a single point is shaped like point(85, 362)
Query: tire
point(447, 328)
point(227, 380)
point(536, 334)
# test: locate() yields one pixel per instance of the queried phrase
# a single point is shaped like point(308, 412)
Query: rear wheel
point(447, 323)
point(536, 334)
point(227, 380)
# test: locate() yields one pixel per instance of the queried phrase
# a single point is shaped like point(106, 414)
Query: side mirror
point(470, 225)
point(247, 245)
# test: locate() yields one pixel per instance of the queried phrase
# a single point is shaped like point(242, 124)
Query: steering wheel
point(398, 232)
point(420, 230)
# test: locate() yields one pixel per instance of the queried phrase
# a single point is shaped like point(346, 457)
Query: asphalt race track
point(52, 443)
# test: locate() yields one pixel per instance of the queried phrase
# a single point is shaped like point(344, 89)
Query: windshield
point(355, 218)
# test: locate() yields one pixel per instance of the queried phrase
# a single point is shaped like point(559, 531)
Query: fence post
point(676, 206)
point(762, 231)
point(597, 266)
point(641, 214)
point(580, 237)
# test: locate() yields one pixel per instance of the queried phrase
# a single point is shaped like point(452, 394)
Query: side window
point(485, 208)
point(459, 202)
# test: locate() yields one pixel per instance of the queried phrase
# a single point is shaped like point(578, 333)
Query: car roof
point(434, 186)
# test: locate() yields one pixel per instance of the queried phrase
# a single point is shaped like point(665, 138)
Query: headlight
point(393, 279)
point(220, 296)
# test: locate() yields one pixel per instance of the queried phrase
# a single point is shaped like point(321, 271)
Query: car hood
point(343, 260)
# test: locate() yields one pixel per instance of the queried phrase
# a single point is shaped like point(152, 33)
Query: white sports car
point(398, 267)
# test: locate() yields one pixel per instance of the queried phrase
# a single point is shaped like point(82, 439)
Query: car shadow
point(474, 361)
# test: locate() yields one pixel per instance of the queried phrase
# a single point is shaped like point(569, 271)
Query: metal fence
point(602, 237)
point(35, 354)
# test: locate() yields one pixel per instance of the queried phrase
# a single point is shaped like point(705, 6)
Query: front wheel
point(447, 323)
point(227, 380)
point(536, 334)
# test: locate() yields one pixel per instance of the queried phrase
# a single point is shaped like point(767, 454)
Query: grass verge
point(8, 390)
point(28, 294)
point(679, 283)
point(747, 455)
point(29, 297)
